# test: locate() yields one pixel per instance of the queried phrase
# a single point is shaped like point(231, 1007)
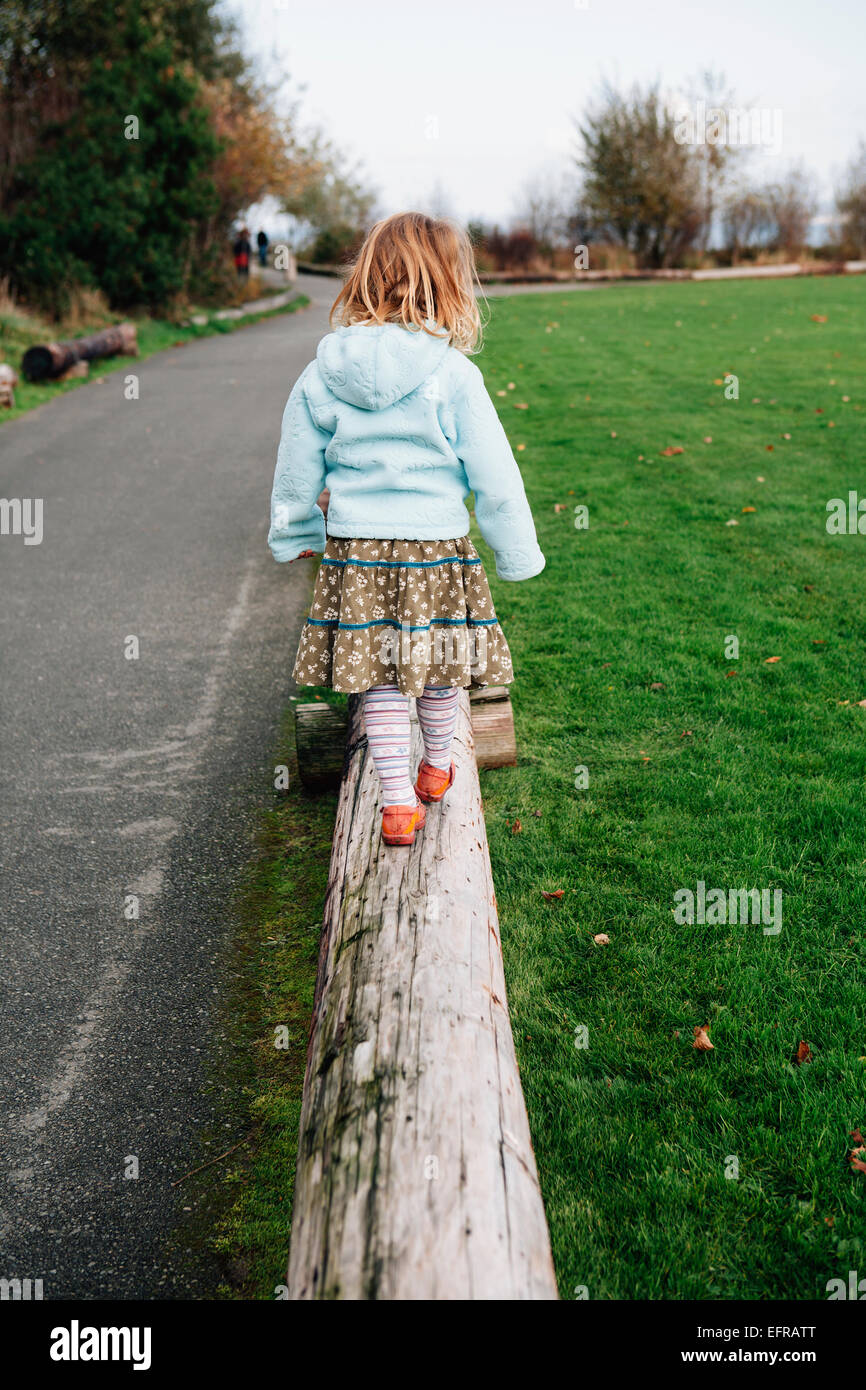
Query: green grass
point(279, 919)
point(19, 331)
point(747, 780)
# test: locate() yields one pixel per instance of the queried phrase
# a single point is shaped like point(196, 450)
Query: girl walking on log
point(395, 421)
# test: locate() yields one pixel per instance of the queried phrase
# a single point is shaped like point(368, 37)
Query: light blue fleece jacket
point(399, 426)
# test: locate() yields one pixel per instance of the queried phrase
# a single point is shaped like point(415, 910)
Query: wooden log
point(47, 361)
point(320, 741)
point(493, 726)
point(415, 1175)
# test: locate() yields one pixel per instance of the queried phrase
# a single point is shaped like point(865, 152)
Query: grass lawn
point(743, 773)
point(667, 1172)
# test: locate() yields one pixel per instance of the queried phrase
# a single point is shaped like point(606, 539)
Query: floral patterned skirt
point(404, 613)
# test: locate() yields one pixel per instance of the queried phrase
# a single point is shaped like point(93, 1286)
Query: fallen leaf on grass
point(750, 509)
point(857, 1136)
point(602, 939)
point(728, 675)
point(803, 1054)
point(657, 685)
point(671, 450)
point(819, 318)
point(520, 405)
point(559, 506)
point(516, 828)
point(768, 660)
point(732, 522)
point(550, 897)
point(702, 1041)
point(537, 815)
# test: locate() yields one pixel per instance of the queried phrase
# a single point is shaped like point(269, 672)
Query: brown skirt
point(404, 613)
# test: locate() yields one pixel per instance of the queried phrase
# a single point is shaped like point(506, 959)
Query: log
point(415, 1175)
point(320, 740)
point(320, 736)
point(493, 726)
point(48, 361)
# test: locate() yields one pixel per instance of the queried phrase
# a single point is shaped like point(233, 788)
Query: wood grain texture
point(415, 1175)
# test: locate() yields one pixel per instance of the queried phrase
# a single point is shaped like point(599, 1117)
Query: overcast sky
point(471, 97)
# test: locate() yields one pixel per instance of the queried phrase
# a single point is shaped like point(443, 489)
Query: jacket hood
point(374, 366)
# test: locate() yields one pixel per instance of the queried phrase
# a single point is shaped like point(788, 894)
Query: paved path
point(139, 777)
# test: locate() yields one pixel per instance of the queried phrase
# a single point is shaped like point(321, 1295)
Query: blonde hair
point(418, 271)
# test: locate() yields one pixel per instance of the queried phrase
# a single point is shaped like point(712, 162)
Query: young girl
point(394, 419)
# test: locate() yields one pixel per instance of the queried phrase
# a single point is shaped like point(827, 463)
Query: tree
point(111, 195)
point(747, 221)
point(641, 187)
point(793, 203)
point(714, 158)
point(851, 204)
point(541, 209)
point(332, 204)
point(132, 135)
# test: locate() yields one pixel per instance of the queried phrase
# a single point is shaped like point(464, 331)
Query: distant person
point(262, 244)
point(394, 419)
point(242, 250)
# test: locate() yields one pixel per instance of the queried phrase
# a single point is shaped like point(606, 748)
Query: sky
point(454, 106)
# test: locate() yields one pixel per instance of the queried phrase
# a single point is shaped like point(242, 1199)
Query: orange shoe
point(432, 782)
point(399, 824)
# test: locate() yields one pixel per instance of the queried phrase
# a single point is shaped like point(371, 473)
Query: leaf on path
point(551, 897)
point(702, 1041)
point(803, 1054)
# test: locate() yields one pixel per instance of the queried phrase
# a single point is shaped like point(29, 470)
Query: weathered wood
point(493, 726)
point(47, 361)
point(320, 741)
point(415, 1176)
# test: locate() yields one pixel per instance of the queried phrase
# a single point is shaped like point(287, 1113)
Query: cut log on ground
point(415, 1176)
point(51, 360)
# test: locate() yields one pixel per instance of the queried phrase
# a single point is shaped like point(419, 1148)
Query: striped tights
point(386, 716)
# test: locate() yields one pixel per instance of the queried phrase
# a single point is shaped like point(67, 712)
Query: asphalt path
point(127, 776)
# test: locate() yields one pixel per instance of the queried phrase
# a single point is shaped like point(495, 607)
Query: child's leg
point(437, 715)
point(386, 717)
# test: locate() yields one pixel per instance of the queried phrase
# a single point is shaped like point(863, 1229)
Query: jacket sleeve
point(296, 522)
point(501, 507)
